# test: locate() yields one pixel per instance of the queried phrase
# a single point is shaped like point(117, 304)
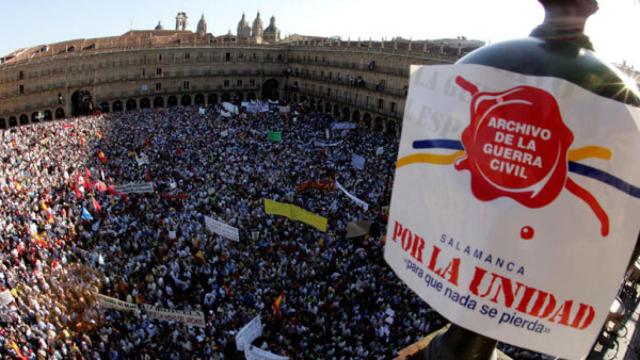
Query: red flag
point(67, 126)
point(100, 186)
point(277, 304)
point(102, 157)
point(87, 174)
point(77, 191)
point(96, 205)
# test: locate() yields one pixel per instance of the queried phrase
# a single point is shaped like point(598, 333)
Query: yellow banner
point(295, 213)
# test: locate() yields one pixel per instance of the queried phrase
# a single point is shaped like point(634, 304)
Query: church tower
point(202, 26)
point(257, 30)
point(271, 33)
point(244, 30)
point(182, 20)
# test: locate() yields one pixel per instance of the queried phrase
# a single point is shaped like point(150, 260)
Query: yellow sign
point(295, 213)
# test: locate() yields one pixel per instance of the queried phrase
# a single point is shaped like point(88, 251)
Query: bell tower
point(182, 20)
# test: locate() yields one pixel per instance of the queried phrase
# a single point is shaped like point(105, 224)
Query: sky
point(613, 30)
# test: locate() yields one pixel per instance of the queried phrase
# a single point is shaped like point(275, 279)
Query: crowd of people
point(67, 234)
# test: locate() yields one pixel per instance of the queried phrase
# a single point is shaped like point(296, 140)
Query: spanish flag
point(102, 157)
point(277, 304)
point(16, 348)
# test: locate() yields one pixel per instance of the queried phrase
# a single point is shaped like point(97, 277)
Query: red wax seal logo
point(516, 145)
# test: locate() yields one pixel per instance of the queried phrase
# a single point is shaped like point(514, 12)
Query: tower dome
point(244, 30)
point(271, 33)
point(202, 26)
point(257, 29)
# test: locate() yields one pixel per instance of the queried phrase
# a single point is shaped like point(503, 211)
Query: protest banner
point(275, 136)
point(230, 108)
point(255, 353)
point(293, 212)
point(6, 298)
point(356, 200)
point(358, 161)
point(284, 109)
point(357, 228)
point(251, 331)
point(108, 302)
point(201, 111)
point(324, 144)
point(343, 125)
point(222, 229)
point(135, 188)
point(380, 150)
point(324, 185)
point(189, 318)
point(142, 159)
point(478, 226)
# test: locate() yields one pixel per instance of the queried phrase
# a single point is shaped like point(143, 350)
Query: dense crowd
point(67, 234)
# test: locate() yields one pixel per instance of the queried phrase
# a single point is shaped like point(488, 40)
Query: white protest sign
point(324, 144)
point(229, 107)
point(255, 353)
point(251, 331)
point(135, 188)
point(356, 200)
point(284, 109)
point(500, 210)
point(380, 151)
point(189, 318)
point(6, 298)
point(108, 302)
point(222, 229)
point(142, 159)
point(358, 161)
point(346, 125)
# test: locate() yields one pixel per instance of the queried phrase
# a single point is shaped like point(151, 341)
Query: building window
point(240, 56)
point(239, 83)
point(158, 86)
point(252, 83)
point(227, 57)
point(21, 75)
point(393, 107)
point(187, 56)
point(159, 57)
point(255, 56)
point(328, 91)
point(226, 83)
point(21, 89)
point(144, 72)
point(185, 85)
point(380, 104)
point(159, 71)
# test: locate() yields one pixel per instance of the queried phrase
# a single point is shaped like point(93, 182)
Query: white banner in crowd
point(485, 178)
point(189, 318)
point(142, 159)
point(230, 108)
point(201, 111)
point(358, 161)
point(346, 125)
point(251, 331)
point(255, 353)
point(324, 144)
point(284, 109)
point(379, 151)
point(135, 188)
point(359, 202)
point(108, 302)
point(6, 298)
point(222, 229)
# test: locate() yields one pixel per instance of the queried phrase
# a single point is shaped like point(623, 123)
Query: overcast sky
point(613, 30)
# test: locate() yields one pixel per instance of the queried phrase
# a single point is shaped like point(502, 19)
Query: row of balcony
point(372, 89)
point(351, 102)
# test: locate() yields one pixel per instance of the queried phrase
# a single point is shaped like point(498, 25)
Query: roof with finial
point(272, 25)
point(202, 25)
point(243, 21)
point(159, 26)
point(257, 21)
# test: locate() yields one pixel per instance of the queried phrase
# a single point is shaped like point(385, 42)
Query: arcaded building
point(360, 80)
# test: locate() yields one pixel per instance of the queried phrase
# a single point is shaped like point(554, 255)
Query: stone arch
point(104, 107)
point(24, 119)
point(226, 97)
point(47, 115)
point(355, 116)
point(336, 110)
point(13, 122)
point(213, 99)
point(60, 113)
point(185, 100)
point(145, 103)
point(367, 120)
point(346, 113)
point(270, 89)
point(327, 107)
point(390, 128)
point(3, 123)
point(251, 96)
point(378, 124)
point(35, 117)
point(131, 104)
point(81, 103)
point(158, 102)
point(199, 100)
point(117, 106)
point(172, 101)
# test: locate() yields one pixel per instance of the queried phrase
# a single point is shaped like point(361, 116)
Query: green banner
point(275, 136)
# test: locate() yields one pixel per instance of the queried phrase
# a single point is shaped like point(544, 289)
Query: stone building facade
point(361, 81)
